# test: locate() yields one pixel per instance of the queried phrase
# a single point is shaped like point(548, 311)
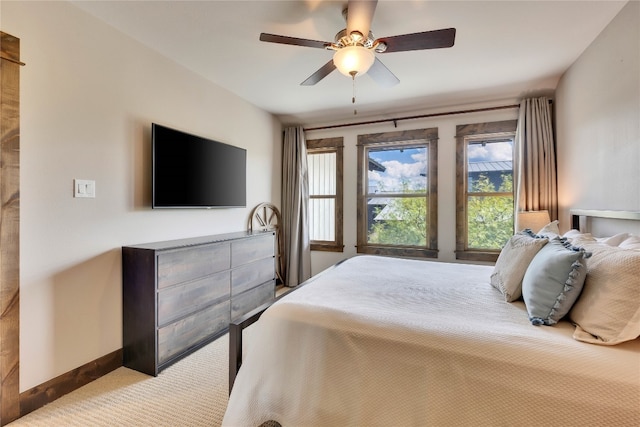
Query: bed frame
point(579, 221)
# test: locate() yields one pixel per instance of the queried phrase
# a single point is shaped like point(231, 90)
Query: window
point(397, 197)
point(484, 189)
point(324, 160)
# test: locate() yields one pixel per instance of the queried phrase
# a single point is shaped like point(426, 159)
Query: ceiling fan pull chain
point(353, 98)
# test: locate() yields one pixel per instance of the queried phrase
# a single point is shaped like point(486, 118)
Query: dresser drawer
point(185, 264)
point(251, 275)
point(185, 333)
point(186, 298)
point(249, 250)
point(247, 301)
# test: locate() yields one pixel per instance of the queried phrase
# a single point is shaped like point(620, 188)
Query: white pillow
point(614, 240)
point(608, 310)
point(513, 261)
point(631, 242)
point(550, 230)
point(577, 237)
point(572, 233)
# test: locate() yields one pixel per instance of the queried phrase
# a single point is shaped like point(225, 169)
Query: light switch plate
point(84, 188)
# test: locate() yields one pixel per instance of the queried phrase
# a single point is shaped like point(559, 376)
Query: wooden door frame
point(9, 228)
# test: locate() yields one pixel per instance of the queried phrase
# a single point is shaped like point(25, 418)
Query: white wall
point(598, 121)
point(88, 97)
point(446, 171)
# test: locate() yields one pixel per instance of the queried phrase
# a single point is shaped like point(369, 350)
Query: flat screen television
point(194, 172)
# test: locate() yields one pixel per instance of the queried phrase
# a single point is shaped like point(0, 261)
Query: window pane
point(397, 193)
point(489, 221)
point(322, 219)
point(325, 166)
point(397, 221)
point(322, 173)
point(490, 166)
point(397, 170)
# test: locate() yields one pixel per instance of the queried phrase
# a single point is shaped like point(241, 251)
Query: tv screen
point(194, 172)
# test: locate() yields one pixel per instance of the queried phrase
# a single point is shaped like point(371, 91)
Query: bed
point(385, 341)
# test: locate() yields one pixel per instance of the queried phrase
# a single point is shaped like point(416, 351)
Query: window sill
point(398, 251)
point(477, 256)
point(327, 247)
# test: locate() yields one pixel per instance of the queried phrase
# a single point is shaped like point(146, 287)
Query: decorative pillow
point(553, 281)
point(608, 311)
point(550, 230)
point(513, 262)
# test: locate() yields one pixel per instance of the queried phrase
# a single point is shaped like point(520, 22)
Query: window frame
point(322, 146)
point(464, 134)
point(399, 139)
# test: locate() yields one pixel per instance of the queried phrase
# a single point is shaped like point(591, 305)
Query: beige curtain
point(295, 203)
point(535, 155)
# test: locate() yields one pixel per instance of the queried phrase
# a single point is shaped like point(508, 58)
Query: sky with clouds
point(494, 151)
point(410, 165)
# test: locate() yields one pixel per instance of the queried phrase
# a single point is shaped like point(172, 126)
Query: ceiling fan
point(355, 46)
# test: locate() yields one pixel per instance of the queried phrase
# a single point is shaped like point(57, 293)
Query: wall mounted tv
point(195, 172)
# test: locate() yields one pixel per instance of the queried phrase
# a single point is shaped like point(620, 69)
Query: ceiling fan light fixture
point(353, 59)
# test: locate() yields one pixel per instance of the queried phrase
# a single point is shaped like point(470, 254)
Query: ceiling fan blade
point(382, 75)
point(274, 38)
point(426, 40)
point(323, 72)
point(359, 15)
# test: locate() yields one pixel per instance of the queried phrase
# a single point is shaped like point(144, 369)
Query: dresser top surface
point(200, 240)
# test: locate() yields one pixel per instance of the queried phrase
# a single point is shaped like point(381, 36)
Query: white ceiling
point(503, 49)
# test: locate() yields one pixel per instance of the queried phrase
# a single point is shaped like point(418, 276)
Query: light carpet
point(191, 392)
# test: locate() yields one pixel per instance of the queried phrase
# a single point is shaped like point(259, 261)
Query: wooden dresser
point(180, 295)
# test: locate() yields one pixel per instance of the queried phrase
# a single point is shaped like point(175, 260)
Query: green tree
point(403, 222)
point(490, 218)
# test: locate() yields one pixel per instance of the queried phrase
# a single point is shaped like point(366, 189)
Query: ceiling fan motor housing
point(342, 39)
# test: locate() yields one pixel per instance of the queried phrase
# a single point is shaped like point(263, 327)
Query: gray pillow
point(553, 281)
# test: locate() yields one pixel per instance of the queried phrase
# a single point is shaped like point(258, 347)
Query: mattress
point(384, 341)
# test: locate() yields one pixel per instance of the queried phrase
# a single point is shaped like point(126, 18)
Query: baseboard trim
point(51, 390)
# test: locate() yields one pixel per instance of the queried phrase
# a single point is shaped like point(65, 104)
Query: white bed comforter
point(391, 342)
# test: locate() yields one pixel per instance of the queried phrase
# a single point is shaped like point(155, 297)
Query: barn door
point(9, 227)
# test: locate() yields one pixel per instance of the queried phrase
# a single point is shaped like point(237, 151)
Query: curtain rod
point(8, 58)
point(422, 116)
